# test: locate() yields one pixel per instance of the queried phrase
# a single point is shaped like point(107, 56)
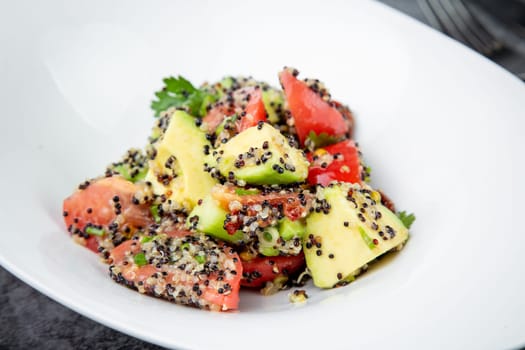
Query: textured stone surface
point(30, 320)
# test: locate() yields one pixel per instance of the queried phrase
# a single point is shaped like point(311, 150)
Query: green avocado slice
point(261, 155)
point(356, 230)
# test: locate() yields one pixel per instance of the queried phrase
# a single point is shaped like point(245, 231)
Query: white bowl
point(440, 126)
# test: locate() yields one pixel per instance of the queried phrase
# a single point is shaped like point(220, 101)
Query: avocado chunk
point(209, 217)
point(177, 168)
point(354, 230)
point(284, 238)
point(289, 229)
point(273, 100)
point(261, 155)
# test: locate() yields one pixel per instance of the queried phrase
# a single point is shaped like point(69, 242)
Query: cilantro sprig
point(406, 219)
point(180, 93)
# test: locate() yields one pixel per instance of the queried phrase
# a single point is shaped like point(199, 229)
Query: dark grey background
point(29, 319)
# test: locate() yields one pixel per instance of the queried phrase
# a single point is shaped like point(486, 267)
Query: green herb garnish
point(155, 213)
point(140, 259)
point(367, 171)
point(267, 236)
point(245, 192)
point(147, 239)
point(406, 219)
point(180, 93)
point(123, 170)
point(92, 230)
point(368, 241)
point(200, 259)
point(314, 141)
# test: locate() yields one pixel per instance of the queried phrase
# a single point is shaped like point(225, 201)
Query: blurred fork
point(454, 18)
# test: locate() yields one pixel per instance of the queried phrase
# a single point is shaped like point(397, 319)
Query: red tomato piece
point(216, 115)
point(337, 162)
point(92, 244)
point(216, 290)
point(259, 270)
point(255, 111)
point(294, 205)
point(309, 111)
point(98, 205)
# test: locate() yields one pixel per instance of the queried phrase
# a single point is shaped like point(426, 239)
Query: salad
point(240, 185)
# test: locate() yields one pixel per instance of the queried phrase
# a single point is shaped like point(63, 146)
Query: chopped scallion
point(366, 238)
point(92, 230)
point(140, 259)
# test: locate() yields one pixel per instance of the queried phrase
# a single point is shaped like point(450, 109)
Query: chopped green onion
point(146, 239)
point(244, 192)
point(140, 259)
point(155, 212)
point(200, 259)
point(267, 236)
point(366, 238)
point(123, 170)
point(92, 230)
point(185, 246)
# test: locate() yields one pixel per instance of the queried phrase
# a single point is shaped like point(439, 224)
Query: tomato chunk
point(97, 206)
point(216, 115)
point(250, 112)
point(190, 270)
point(255, 111)
point(310, 112)
point(259, 270)
point(337, 162)
point(292, 205)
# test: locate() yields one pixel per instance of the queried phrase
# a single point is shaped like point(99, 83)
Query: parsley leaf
point(180, 93)
point(406, 219)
